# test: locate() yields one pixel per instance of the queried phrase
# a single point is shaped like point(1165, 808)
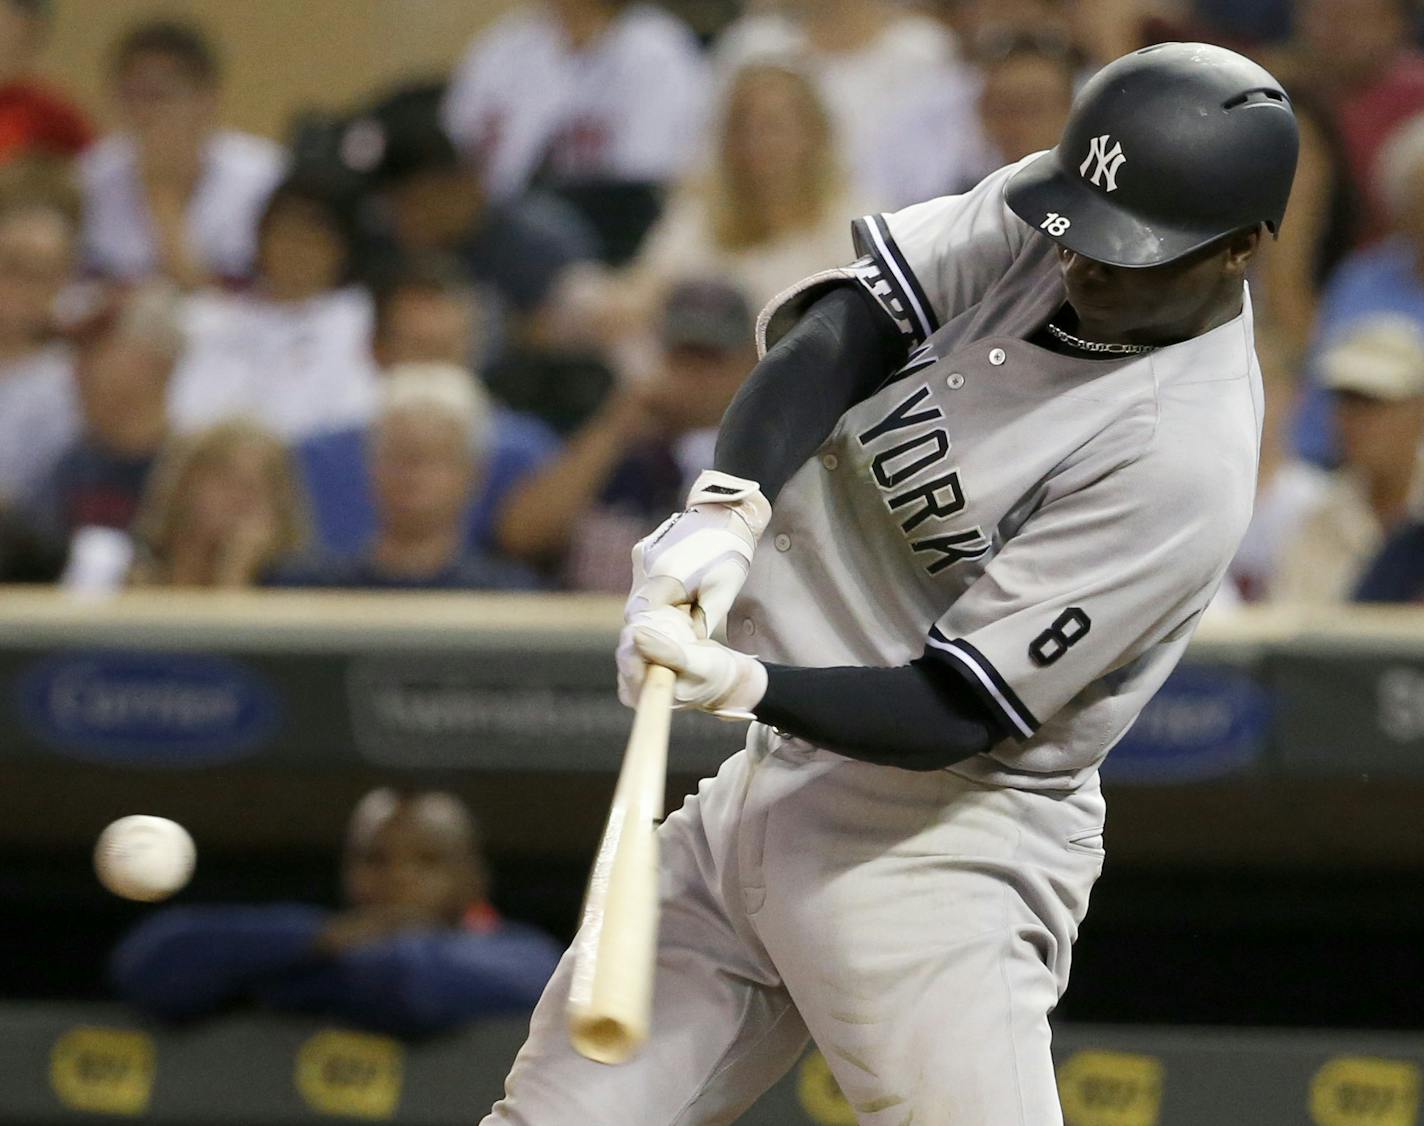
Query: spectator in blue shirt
point(1385, 278)
point(427, 452)
point(424, 313)
point(1397, 573)
point(417, 950)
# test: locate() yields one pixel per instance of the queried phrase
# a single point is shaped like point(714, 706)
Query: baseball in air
point(144, 858)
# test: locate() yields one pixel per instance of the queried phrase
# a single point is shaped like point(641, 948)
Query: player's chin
point(1093, 299)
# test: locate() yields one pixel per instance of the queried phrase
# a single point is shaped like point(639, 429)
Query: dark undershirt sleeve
point(836, 355)
point(920, 716)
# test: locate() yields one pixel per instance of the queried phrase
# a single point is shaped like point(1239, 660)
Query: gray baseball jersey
point(1052, 527)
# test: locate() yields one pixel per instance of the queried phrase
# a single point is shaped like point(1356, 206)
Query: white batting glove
point(699, 558)
point(710, 676)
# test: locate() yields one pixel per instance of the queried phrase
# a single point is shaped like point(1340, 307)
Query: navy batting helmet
point(1165, 150)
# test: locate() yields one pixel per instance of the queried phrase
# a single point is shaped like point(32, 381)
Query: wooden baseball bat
point(611, 994)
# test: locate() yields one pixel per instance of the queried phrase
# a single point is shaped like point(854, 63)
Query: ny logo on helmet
point(1109, 161)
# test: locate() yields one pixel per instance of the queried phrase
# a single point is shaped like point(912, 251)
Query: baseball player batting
point(981, 486)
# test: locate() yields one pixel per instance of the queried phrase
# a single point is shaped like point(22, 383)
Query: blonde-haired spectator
point(429, 449)
point(223, 508)
point(1376, 374)
point(774, 206)
point(878, 64)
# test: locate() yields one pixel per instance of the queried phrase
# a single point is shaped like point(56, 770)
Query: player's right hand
point(699, 558)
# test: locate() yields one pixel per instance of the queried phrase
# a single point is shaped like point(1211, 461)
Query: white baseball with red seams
point(144, 858)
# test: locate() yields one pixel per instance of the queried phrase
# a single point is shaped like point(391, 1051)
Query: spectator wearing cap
point(293, 353)
point(39, 413)
point(416, 949)
point(126, 355)
point(517, 249)
point(171, 193)
point(425, 312)
point(636, 458)
point(576, 91)
point(1375, 373)
point(1384, 279)
point(35, 120)
point(429, 448)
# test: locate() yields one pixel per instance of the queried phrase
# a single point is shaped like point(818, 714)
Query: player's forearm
point(917, 716)
point(839, 352)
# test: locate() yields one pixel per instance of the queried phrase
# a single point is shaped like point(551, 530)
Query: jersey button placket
point(954, 381)
point(830, 461)
point(782, 542)
point(997, 356)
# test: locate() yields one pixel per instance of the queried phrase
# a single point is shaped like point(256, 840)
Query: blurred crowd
point(478, 333)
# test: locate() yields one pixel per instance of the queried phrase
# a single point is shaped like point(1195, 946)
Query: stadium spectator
point(1358, 58)
point(1287, 486)
point(424, 313)
point(1315, 234)
point(638, 456)
point(1396, 574)
point(774, 207)
point(1376, 374)
point(294, 352)
point(1020, 102)
point(579, 91)
point(876, 63)
point(429, 448)
point(126, 356)
point(222, 509)
point(980, 27)
point(1027, 92)
point(418, 949)
point(26, 556)
point(39, 415)
point(171, 193)
point(35, 120)
point(518, 249)
point(1386, 278)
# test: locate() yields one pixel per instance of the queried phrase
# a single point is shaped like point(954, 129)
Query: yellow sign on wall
point(1101, 1088)
point(1362, 1091)
point(103, 1070)
point(350, 1073)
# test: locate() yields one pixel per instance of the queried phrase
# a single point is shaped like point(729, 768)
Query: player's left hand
point(710, 676)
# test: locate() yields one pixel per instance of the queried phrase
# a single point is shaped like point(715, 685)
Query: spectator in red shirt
point(1357, 57)
point(34, 119)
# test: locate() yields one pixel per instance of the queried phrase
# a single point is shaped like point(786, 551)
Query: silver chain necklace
point(1095, 346)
